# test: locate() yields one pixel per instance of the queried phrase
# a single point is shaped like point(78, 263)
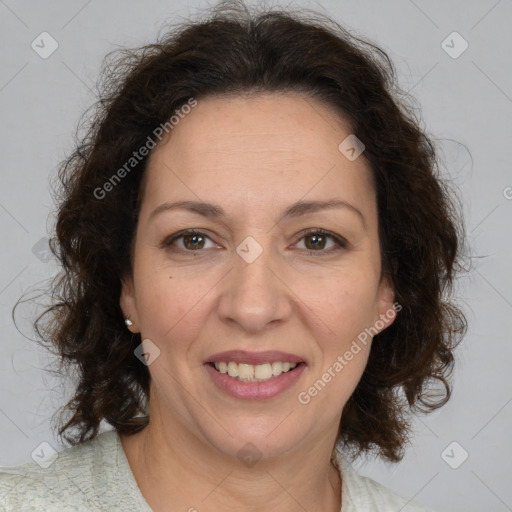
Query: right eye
point(192, 241)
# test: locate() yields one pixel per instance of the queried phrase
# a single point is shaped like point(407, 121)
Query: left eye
point(316, 241)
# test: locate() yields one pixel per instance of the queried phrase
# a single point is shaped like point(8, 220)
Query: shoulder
point(363, 494)
point(81, 477)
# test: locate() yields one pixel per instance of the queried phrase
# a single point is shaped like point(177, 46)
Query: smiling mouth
point(254, 373)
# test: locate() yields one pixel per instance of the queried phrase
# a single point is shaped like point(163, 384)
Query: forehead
point(261, 146)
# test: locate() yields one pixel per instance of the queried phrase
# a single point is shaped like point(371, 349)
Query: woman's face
point(259, 277)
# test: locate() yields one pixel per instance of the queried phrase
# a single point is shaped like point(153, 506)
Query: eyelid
point(341, 242)
point(167, 241)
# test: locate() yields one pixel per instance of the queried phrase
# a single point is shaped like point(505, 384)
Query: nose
point(255, 295)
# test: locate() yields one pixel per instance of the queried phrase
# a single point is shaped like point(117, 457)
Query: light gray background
point(466, 100)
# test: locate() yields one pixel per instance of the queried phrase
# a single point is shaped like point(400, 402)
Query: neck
point(170, 465)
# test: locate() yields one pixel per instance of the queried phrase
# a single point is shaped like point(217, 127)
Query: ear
point(385, 308)
point(128, 303)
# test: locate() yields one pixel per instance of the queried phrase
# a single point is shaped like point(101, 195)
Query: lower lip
point(255, 390)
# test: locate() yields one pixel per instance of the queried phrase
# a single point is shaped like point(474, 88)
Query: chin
point(261, 441)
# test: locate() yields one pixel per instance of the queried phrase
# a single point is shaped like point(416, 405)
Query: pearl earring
point(128, 322)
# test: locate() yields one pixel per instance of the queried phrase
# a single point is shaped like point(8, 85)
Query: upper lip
point(243, 356)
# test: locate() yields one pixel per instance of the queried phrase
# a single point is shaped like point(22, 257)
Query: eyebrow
point(297, 209)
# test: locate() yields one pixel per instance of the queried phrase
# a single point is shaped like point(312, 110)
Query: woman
point(256, 250)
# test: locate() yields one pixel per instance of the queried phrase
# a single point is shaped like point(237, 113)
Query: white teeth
point(277, 368)
point(263, 371)
point(254, 373)
point(245, 371)
point(232, 369)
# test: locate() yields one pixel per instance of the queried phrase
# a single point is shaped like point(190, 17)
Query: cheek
point(345, 310)
point(344, 303)
point(171, 303)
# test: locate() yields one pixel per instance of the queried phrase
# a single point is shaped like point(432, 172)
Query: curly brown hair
point(233, 52)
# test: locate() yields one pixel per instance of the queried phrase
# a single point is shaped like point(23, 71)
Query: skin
point(253, 156)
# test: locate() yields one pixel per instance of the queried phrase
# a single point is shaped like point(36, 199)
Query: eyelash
point(340, 242)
